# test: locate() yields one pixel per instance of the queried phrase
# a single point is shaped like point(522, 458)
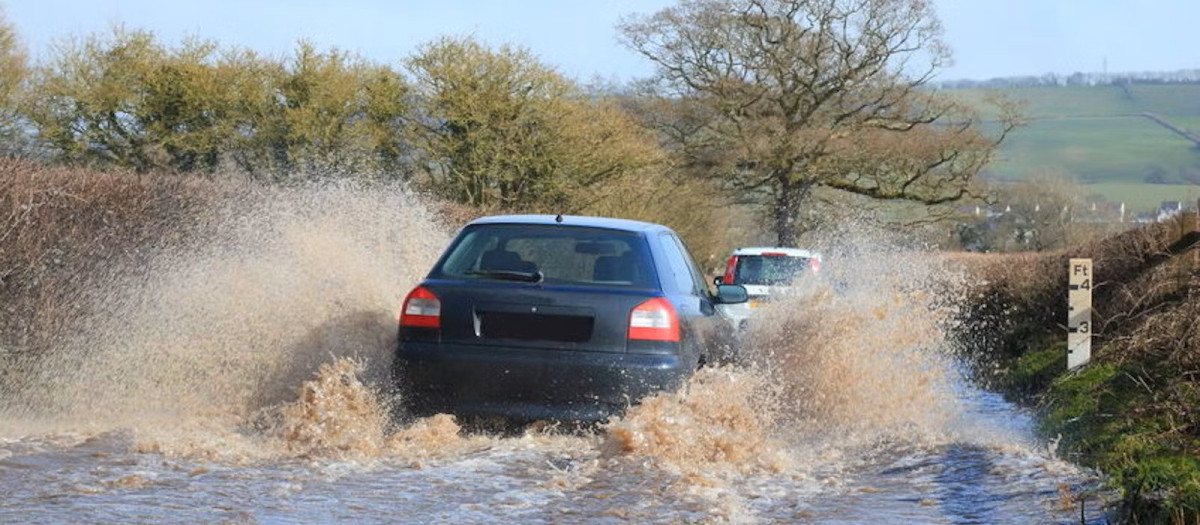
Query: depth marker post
point(1079, 312)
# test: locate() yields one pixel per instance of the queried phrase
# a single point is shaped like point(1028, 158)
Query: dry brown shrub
point(1167, 333)
point(1021, 298)
point(454, 215)
point(64, 229)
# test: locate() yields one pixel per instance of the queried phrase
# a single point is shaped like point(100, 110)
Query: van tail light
point(421, 309)
point(730, 269)
point(815, 264)
point(654, 320)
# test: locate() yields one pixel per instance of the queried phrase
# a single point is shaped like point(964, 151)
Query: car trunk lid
point(526, 315)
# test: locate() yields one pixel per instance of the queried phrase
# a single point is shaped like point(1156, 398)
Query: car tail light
point(774, 254)
point(654, 320)
point(730, 269)
point(421, 309)
point(815, 264)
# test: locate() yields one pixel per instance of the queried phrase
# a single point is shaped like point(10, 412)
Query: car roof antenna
point(558, 218)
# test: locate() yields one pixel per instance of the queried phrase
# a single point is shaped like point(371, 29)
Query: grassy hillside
point(1139, 196)
point(1096, 133)
point(1104, 149)
point(1189, 123)
point(1173, 100)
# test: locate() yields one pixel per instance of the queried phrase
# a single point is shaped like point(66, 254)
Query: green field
point(1139, 196)
point(1182, 100)
point(1094, 150)
point(1189, 123)
point(1097, 135)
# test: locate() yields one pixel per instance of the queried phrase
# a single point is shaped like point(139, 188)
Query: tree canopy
point(13, 70)
point(327, 112)
point(125, 100)
point(497, 129)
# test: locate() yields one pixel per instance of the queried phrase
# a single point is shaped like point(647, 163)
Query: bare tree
point(777, 97)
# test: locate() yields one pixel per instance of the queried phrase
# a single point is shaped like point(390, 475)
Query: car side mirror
point(731, 294)
point(718, 280)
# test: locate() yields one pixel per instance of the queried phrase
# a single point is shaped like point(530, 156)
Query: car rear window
point(570, 255)
point(768, 269)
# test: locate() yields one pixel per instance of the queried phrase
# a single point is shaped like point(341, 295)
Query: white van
point(761, 269)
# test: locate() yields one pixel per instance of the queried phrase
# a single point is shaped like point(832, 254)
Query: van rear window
point(569, 255)
point(769, 269)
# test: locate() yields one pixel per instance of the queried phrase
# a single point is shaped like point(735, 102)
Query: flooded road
point(540, 478)
point(242, 382)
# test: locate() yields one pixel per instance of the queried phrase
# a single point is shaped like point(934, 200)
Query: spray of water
point(336, 415)
point(863, 355)
point(272, 338)
point(717, 420)
point(847, 360)
point(221, 333)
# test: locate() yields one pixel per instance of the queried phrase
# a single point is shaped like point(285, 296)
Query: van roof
point(775, 250)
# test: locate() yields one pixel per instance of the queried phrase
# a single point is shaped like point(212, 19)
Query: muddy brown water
point(239, 381)
point(436, 475)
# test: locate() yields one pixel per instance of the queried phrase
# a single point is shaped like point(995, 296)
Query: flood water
point(241, 381)
point(544, 478)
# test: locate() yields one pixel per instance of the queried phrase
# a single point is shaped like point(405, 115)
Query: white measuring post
point(1079, 312)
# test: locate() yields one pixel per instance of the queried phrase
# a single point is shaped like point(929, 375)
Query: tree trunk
point(786, 209)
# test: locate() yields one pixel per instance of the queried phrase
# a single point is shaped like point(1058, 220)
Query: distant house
point(1169, 209)
point(1089, 212)
point(1100, 212)
point(1145, 217)
point(989, 212)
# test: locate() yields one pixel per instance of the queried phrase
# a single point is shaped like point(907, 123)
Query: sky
point(989, 38)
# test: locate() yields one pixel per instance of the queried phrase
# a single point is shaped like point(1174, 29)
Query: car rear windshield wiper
point(509, 275)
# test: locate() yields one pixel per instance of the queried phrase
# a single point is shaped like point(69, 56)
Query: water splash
point(718, 420)
point(846, 360)
point(224, 340)
point(282, 281)
point(861, 356)
point(335, 415)
point(257, 359)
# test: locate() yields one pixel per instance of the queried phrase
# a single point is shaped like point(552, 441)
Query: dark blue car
point(545, 317)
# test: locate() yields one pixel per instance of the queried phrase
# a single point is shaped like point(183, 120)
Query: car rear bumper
point(532, 384)
point(739, 313)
